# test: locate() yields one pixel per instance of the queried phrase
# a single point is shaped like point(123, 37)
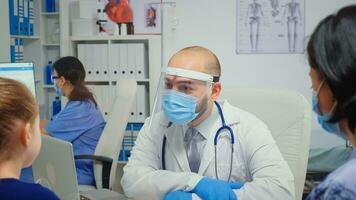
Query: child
point(20, 141)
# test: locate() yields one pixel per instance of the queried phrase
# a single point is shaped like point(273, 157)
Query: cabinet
point(38, 48)
point(109, 58)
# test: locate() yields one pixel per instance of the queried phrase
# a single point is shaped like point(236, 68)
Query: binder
point(103, 62)
point(94, 60)
point(108, 101)
point(131, 60)
point(21, 17)
point(141, 72)
point(142, 105)
point(17, 49)
point(123, 60)
point(21, 50)
point(13, 17)
point(115, 61)
point(81, 55)
point(12, 49)
point(89, 53)
point(133, 111)
point(26, 17)
point(31, 16)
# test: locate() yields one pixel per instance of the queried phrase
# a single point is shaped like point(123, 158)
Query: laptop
point(22, 72)
point(54, 168)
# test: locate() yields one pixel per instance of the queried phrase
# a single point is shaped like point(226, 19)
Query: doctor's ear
point(216, 89)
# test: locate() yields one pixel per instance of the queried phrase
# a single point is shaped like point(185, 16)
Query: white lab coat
point(257, 160)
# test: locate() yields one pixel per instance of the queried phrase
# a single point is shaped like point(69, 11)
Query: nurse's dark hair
point(73, 71)
point(17, 106)
point(332, 53)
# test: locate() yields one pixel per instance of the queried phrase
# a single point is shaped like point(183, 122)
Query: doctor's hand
point(178, 195)
point(211, 189)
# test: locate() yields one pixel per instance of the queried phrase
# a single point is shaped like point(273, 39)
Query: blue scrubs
point(80, 123)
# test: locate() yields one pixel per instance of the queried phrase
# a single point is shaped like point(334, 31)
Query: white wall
point(211, 23)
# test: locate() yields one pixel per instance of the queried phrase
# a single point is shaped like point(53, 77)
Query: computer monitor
point(23, 72)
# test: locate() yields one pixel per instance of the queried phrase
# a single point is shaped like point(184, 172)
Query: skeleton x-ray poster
point(270, 26)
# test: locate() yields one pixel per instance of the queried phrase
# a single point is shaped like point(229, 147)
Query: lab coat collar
point(206, 126)
point(231, 118)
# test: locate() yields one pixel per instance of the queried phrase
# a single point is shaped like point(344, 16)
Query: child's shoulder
point(15, 189)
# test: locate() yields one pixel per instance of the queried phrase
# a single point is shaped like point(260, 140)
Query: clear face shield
point(182, 96)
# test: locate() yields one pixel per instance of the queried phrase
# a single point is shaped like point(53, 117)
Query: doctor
point(175, 156)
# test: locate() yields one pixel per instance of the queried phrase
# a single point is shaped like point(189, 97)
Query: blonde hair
point(17, 105)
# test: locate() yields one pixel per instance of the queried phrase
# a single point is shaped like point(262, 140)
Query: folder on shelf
point(21, 50)
point(81, 55)
point(141, 72)
point(108, 101)
point(94, 60)
point(26, 17)
point(21, 17)
point(103, 62)
point(17, 50)
point(115, 61)
point(13, 17)
point(89, 59)
point(142, 103)
point(131, 65)
point(123, 60)
point(31, 16)
point(103, 96)
point(12, 49)
point(132, 117)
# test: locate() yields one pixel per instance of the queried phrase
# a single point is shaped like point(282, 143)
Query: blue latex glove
point(211, 189)
point(178, 195)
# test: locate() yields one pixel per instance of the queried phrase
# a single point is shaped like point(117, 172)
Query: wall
point(212, 24)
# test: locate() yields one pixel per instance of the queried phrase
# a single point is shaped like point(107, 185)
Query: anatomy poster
point(270, 26)
point(147, 16)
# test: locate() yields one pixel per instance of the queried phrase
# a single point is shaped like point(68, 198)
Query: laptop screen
point(23, 72)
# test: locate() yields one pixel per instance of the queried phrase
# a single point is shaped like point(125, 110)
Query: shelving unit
point(25, 37)
point(36, 48)
point(50, 49)
point(152, 52)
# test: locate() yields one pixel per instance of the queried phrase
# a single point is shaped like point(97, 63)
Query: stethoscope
point(218, 132)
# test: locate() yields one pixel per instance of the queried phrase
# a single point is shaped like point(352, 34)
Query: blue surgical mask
point(333, 128)
point(178, 107)
point(58, 90)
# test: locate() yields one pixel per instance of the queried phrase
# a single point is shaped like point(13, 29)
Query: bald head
point(198, 59)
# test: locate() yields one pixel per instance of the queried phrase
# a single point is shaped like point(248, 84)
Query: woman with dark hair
point(332, 57)
point(80, 122)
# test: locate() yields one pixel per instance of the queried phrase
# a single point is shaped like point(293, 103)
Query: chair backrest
point(287, 115)
point(109, 144)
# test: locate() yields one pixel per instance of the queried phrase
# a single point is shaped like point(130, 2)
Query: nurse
point(332, 58)
point(80, 122)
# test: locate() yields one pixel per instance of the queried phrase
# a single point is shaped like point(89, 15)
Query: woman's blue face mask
point(323, 119)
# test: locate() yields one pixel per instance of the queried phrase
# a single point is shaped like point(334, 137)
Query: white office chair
point(287, 115)
point(109, 145)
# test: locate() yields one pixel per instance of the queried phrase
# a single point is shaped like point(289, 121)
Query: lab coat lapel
point(176, 145)
point(209, 149)
point(209, 154)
